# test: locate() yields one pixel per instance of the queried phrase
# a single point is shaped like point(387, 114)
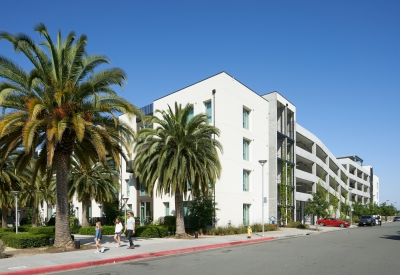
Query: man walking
point(130, 227)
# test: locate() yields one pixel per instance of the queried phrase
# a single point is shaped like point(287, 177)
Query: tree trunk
point(86, 203)
point(4, 212)
point(35, 213)
point(180, 222)
point(63, 235)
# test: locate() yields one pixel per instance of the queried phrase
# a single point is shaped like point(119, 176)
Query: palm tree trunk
point(63, 235)
point(4, 212)
point(86, 203)
point(35, 213)
point(180, 222)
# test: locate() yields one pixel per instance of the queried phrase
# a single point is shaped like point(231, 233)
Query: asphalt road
point(364, 250)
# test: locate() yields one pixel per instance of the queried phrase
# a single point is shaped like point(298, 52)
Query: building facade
point(255, 128)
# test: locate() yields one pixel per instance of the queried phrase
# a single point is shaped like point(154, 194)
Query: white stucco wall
point(230, 99)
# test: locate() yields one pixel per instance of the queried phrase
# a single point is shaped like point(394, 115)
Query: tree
point(388, 210)
point(359, 209)
point(179, 152)
point(92, 182)
point(65, 104)
point(201, 211)
point(36, 188)
point(9, 181)
point(318, 205)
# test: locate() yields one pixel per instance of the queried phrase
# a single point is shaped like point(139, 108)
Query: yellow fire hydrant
point(249, 231)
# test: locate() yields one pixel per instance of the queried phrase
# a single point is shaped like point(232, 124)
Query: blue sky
point(337, 61)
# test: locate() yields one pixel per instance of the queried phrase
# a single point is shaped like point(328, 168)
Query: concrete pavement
point(144, 248)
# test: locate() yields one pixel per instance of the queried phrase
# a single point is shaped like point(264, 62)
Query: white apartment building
point(238, 112)
point(255, 128)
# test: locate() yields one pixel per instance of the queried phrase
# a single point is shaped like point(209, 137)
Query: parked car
point(367, 220)
point(333, 222)
point(396, 219)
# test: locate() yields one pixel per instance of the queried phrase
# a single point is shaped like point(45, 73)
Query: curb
point(65, 267)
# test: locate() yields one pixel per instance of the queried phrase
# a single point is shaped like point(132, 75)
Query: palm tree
point(65, 104)
point(92, 182)
point(9, 180)
point(179, 152)
point(36, 188)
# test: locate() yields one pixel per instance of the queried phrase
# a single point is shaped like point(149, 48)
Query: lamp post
point(125, 199)
point(16, 193)
point(262, 162)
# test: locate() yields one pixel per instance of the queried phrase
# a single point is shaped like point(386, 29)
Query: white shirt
point(118, 227)
point(130, 224)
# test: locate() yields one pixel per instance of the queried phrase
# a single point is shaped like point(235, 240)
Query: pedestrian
point(97, 238)
point(118, 231)
point(130, 227)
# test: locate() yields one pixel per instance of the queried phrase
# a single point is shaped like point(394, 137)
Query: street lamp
point(125, 199)
point(16, 193)
point(262, 162)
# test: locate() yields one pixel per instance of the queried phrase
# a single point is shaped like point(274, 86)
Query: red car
point(333, 222)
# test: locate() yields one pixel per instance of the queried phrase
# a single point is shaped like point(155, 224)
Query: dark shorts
point(118, 233)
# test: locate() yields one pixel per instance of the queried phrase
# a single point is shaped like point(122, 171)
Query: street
point(364, 250)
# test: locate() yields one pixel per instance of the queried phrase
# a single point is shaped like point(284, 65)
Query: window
point(166, 208)
point(210, 192)
point(246, 114)
point(143, 192)
point(90, 212)
point(191, 114)
point(49, 211)
point(246, 149)
point(246, 214)
point(185, 208)
point(144, 126)
point(145, 215)
point(128, 188)
point(246, 177)
point(208, 111)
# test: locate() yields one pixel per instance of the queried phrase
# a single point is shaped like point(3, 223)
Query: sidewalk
point(144, 248)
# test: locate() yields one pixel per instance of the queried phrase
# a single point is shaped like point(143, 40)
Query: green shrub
point(8, 229)
point(75, 229)
point(297, 225)
point(91, 230)
point(25, 240)
point(45, 230)
point(151, 231)
point(257, 227)
point(24, 228)
point(169, 221)
point(2, 233)
point(231, 230)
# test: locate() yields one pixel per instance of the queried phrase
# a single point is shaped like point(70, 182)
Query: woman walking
point(97, 238)
point(130, 227)
point(118, 231)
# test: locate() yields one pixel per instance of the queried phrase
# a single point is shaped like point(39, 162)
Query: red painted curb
point(65, 267)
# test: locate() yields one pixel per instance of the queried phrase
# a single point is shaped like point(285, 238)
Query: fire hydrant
point(249, 231)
